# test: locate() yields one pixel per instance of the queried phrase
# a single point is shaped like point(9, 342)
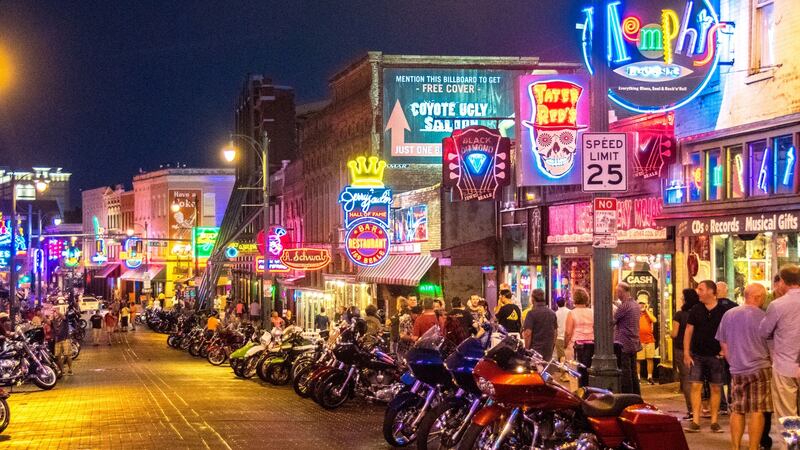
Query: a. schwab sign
point(423, 106)
point(742, 224)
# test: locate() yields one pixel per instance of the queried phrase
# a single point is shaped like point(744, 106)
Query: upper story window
point(762, 35)
point(760, 168)
point(715, 175)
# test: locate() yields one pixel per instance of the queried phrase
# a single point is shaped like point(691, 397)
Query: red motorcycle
point(532, 411)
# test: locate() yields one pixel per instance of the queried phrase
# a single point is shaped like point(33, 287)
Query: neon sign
point(553, 110)
point(789, 171)
point(476, 163)
point(133, 252)
point(72, 256)
point(99, 256)
point(306, 258)
point(659, 60)
point(275, 248)
point(204, 240)
point(366, 204)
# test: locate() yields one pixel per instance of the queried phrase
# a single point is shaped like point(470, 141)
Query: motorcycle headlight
point(485, 386)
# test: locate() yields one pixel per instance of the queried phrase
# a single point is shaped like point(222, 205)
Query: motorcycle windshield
point(508, 353)
point(430, 340)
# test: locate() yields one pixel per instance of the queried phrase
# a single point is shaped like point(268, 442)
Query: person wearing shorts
point(646, 336)
point(702, 354)
point(63, 345)
point(748, 356)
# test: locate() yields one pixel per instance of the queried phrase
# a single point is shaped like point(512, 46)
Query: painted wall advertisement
point(476, 163)
point(410, 224)
point(184, 212)
point(423, 106)
point(552, 111)
point(572, 223)
point(660, 54)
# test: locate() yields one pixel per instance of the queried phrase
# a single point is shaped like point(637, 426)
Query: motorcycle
point(406, 411)
point(444, 425)
point(5, 412)
point(35, 338)
point(790, 433)
point(19, 362)
point(224, 343)
point(531, 410)
point(277, 368)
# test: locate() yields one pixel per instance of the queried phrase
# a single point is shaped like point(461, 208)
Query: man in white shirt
point(561, 318)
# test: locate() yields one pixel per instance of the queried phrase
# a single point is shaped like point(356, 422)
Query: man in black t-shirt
point(508, 314)
point(702, 353)
point(97, 327)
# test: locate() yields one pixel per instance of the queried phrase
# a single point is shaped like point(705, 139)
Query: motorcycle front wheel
point(216, 356)
point(172, 341)
point(194, 349)
point(82, 323)
point(249, 369)
point(485, 436)
point(204, 351)
point(5, 414)
point(326, 394)
point(45, 378)
point(438, 427)
point(397, 420)
point(278, 374)
point(300, 382)
point(261, 368)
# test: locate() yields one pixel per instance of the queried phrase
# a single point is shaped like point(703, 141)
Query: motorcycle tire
point(216, 356)
point(249, 369)
point(300, 383)
point(325, 394)
point(261, 367)
point(185, 343)
point(172, 341)
point(402, 410)
point(82, 323)
point(204, 351)
point(194, 349)
point(78, 335)
point(75, 350)
point(478, 436)
point(278, 374)
point(5, 414)
point(45, 378)
point(300, 364)
point(438, 425)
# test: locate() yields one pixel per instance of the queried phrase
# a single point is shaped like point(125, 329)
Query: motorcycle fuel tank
point(652, 429)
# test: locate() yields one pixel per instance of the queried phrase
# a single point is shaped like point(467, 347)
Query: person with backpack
point(508, 314)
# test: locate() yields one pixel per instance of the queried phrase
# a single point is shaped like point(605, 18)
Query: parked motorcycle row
point(467, 395)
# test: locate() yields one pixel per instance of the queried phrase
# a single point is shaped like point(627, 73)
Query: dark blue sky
point(103, 88)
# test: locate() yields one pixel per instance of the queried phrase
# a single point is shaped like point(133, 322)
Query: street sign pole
point(604, 372)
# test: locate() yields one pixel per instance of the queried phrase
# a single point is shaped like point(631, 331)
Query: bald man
point(746, 351)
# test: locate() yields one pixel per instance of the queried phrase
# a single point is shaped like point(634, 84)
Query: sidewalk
point(667, 398)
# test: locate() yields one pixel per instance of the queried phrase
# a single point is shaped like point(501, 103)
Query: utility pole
point(604, 372)
point(265, 225)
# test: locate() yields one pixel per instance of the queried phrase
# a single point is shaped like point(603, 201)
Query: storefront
point(402, 275)
point(523, 269)
point(345, 291)
point(308, 303)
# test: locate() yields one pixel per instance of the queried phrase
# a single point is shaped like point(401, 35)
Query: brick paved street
point(141, 394)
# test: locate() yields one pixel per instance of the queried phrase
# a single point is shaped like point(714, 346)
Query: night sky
point(103, 88)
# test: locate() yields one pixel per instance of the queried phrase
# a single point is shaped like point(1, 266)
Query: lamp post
point(262, 150)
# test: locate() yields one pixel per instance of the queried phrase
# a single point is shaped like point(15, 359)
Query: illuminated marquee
point(552, 110)
point(366, 204)
point(99, 256)
point(133, 253)
point(476, 163)
point(660, 57)
point(306, 258)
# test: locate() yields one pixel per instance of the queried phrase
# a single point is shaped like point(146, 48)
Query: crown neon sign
point(366, 204)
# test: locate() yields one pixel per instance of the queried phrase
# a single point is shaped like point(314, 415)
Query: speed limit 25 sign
point(605, 162)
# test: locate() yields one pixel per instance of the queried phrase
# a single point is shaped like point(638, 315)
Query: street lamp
point(41, 186)
point(262, 150)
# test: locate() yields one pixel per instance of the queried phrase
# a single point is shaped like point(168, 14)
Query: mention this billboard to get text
point(423, 106)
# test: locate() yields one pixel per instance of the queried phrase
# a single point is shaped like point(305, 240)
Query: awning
point(404, 270)
point(156, 273)
point(111, 270)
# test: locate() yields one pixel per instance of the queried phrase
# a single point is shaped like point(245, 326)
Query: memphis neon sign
point(660, 58)
point(366, 204)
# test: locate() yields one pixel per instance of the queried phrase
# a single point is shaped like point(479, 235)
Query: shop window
point(760, 168)
point(762, 50)
point(751, 262)
point(786, 249)
point(736, 172)
point(674, 187)
point(695, 177)
point(785, 164)
point(515, 242)
point(714, 175)
point(720, 257)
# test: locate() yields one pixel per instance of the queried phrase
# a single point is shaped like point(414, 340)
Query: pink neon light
point(710, 48)
point(630, 28)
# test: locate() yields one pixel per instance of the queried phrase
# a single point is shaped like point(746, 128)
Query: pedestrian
point(727, 304)
point(626, 333)
point(679, 321)
point(110, 322)
point(321, 321)
point(438, 306)
point(124, 318)
point(646, 337)
point(407, 322)
point(782, 325)
point(508, 314)
point(401, 306)
point(134, 314)
point(63, 346)
point(97, 327)
point(702, 354)
point(427, 320)
point(540, 327)
point(255, 313)
point(473, 307)
point(338, 316)
point(462, 318)
point(288, 319)
point(748, 356)
point(276, 321)
point(561, 318)
point(373, 322)
point(579, 332)
point(240, 309)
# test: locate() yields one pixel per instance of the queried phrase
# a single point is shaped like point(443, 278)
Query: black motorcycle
point(19, 363)
point(277, 367)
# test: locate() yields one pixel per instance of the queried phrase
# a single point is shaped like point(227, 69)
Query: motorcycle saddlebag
point(652, 429)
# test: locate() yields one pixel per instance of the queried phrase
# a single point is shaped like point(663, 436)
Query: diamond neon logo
point(476, 163)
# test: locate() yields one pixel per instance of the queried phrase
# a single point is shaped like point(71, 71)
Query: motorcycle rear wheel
point(194, 349)
point(261, 368)
point(216, 356)
point(278, 374)
point(45, 378)
point(402, 410)
point(440, 423)
point(5, 414)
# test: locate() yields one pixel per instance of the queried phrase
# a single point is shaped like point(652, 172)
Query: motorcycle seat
point(609, 405)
